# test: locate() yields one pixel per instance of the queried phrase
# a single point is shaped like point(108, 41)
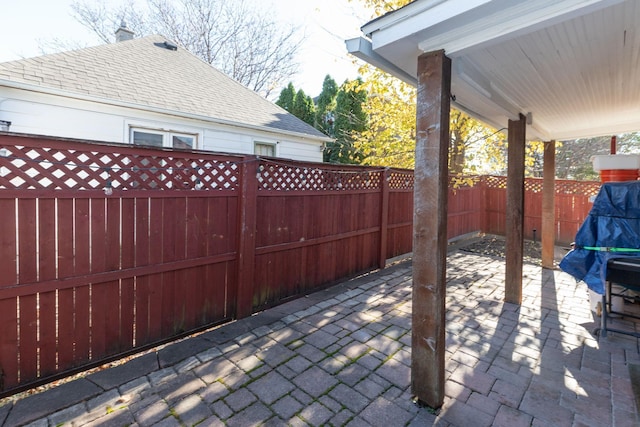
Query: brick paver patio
point(342, 357)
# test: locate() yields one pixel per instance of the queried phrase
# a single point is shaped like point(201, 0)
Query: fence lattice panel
point(278, 175)
point(34, 165)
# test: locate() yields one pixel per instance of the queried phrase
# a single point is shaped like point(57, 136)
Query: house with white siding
point(148, 91)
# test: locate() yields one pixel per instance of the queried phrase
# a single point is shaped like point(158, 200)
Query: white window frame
point(167, 133)
point(132, 130)
point(274, 145)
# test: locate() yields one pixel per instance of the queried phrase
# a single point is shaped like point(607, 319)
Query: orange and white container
point(617, 167)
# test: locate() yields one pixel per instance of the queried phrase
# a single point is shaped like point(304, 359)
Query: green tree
point(350, 121)
point(297, 103)
point(303, 107)
point(286, 98)
point(573, 157)
point(326, 105)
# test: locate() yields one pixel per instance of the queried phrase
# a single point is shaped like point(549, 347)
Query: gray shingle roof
point(142, 71)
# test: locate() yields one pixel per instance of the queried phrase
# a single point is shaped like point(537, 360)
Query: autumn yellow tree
point(473, 146)
point(389, 139)
point(380, 7)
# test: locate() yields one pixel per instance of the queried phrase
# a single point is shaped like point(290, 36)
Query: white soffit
point(455, 25)
point(573, 64)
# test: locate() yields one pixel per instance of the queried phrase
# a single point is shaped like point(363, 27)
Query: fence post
point(430, 228)
point(514, 236)
point(484, 217)
point(248, 202)
point(548, 204)
point(384, 217)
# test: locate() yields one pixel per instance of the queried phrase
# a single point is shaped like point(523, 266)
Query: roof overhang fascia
point(466, 72)
point(142, 107)
point(416, 16)
point(361, 48)
point(457, 25)
point(521, 18)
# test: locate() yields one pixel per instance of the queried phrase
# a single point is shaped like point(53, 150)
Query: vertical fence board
point(8, 306)
point(155, 280)
point(47, 319)
point(9, 368)
point(195, 248)
point(99, 291)
point(127, 294)
point(81, 293)
point(65, 296)
point(28, 338)
point(82, 237)
point(65, 238)
point(27, 240)
point(171, 300)
point(8, 244)
point(113, 325)
point(182, 286)
point(222, 279)
point(28, 320)
point(143, 291)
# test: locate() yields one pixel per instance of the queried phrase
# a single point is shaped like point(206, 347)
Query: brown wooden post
point(484, 216)
point(248, 200)
point(548, 204)
point(515, 210)
point(430, 228)
point(384, 218)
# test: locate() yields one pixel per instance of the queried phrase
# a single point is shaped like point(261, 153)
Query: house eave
point(361, 48)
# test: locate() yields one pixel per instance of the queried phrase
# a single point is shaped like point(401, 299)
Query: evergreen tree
point(350, 120)
point(286, 98)
point(326, 104)
point(303, 107)
point(297, 103)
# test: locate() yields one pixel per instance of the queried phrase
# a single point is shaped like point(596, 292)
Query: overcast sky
point(25, 25)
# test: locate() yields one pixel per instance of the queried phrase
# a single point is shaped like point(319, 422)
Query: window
point(182, 141)
point(157, 138)
point(139, 137)
point(264, 149)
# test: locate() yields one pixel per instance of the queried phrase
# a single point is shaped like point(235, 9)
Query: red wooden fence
point(572, 205)
point(108, 249)
point(85, 276)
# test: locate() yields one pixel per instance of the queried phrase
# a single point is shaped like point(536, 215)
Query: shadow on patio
point(537, 364)
point(342, 357)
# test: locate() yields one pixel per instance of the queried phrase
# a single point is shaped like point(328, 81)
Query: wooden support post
point(515, 210)
point(384, 218)
point(430, 228)
point(248, 200)
point(548, 205)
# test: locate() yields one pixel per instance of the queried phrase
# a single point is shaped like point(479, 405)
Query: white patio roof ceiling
point(573, 64)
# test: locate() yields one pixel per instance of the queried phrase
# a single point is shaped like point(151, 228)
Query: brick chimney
point(123, 33)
